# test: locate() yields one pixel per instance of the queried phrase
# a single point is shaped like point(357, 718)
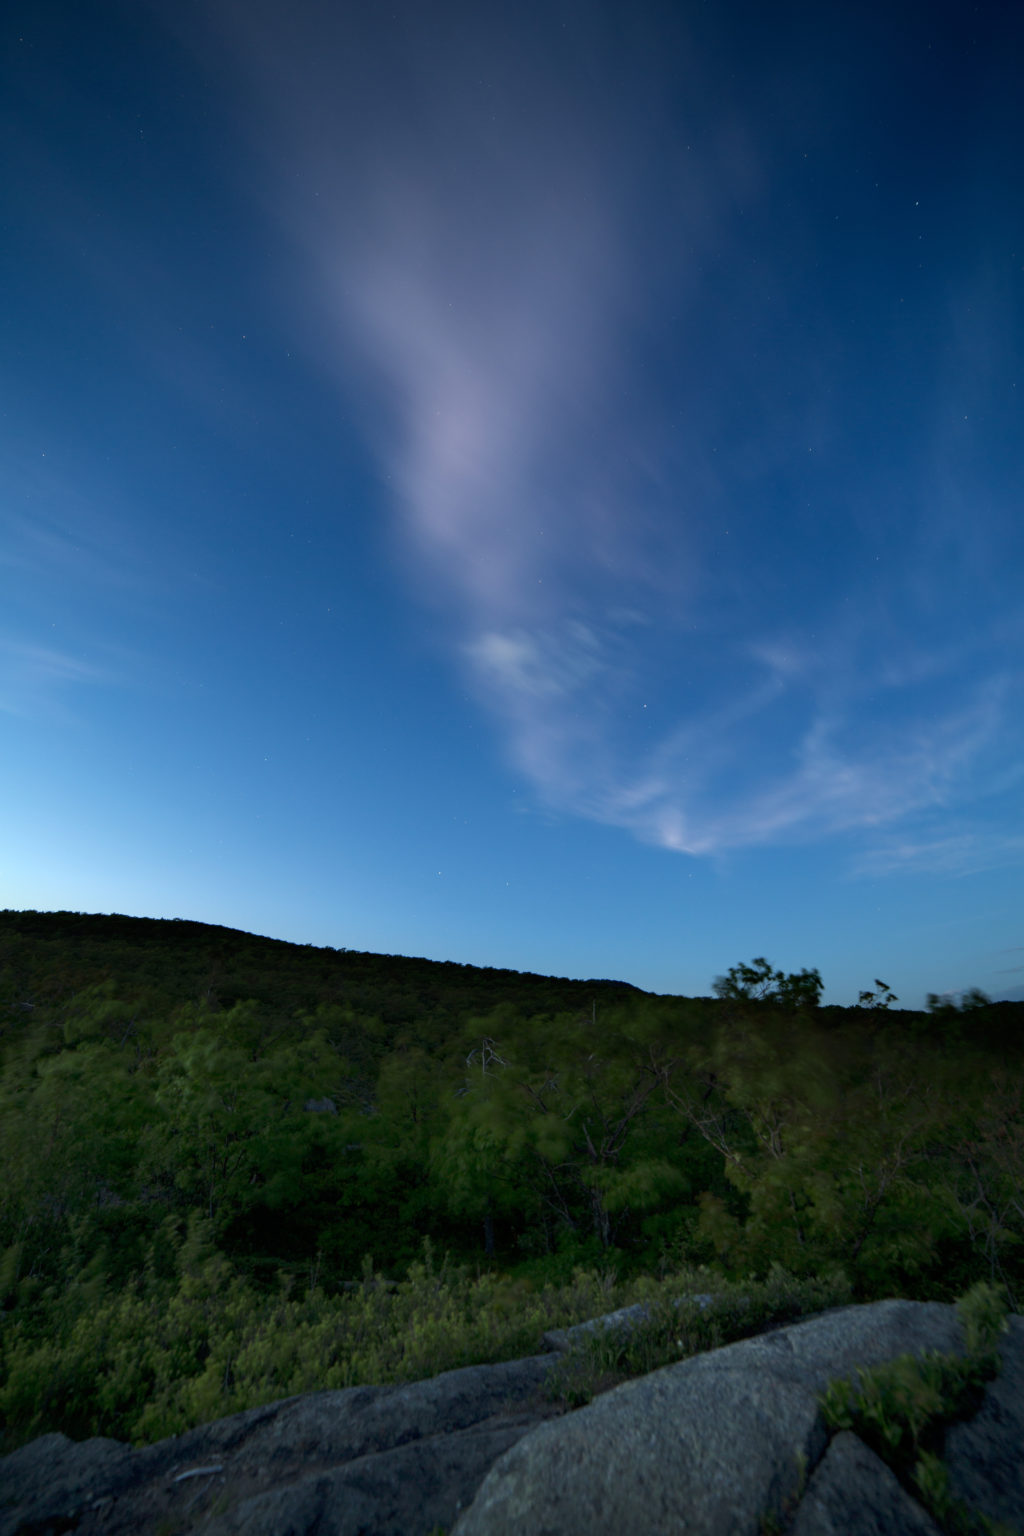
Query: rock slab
point(724, 1444)
point(732, 1442)
point(367, 1461)
point(853, 1493)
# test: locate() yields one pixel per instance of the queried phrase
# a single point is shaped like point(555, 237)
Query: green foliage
point(953, 1002)
point(173, 1351)
point(983, 1317)
point(676, 1325)
point(849, 1145)
point(900, 1406)
point(562, 1120)
point(883, 998)
point(179, 1234)
point(757, 982)
point(894, 1404)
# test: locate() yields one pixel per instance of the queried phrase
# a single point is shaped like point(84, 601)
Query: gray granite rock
point(53, 1477)
point(713, 1453)
point(985, 1455)
point(415, 1487)
point(715, 1444)
point(622, 1321)
point(853, 1493)
point(730, 1442)
point(399, 1459)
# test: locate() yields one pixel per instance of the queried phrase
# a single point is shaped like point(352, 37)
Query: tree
point(830, 1136)
point(758, 983)
point(559, 1116)
point(946, 1002)
point(883, 998)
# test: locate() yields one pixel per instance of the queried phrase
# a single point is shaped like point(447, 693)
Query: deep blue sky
point(531, 484)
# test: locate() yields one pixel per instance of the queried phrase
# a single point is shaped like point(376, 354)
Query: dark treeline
point(182, 1100)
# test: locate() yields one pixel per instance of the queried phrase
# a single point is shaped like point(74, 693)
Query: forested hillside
point(222, 1156)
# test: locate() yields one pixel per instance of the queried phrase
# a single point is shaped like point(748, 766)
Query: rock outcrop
point(395, 1460)
point(731, 1441)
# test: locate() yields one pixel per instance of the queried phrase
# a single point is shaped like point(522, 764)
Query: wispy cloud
point(35, 677)
point(959, 853)
point(493, 267)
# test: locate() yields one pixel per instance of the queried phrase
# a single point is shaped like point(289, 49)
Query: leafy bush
point(678, 1324)
point(900, 1407)
point(163, 1355)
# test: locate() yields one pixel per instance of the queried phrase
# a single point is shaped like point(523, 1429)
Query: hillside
point(224, 1155)
point(49, 956)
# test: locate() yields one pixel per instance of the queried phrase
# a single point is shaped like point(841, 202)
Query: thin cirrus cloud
point(35, 678)
point(492, 265)
point(960, 853)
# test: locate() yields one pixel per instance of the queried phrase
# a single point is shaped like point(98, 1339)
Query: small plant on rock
point(901, 1407)
point(688, 1314)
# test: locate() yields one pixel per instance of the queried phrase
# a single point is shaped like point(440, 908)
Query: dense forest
point(234, 1168)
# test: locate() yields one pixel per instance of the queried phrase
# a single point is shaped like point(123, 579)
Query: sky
point(535, 485)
